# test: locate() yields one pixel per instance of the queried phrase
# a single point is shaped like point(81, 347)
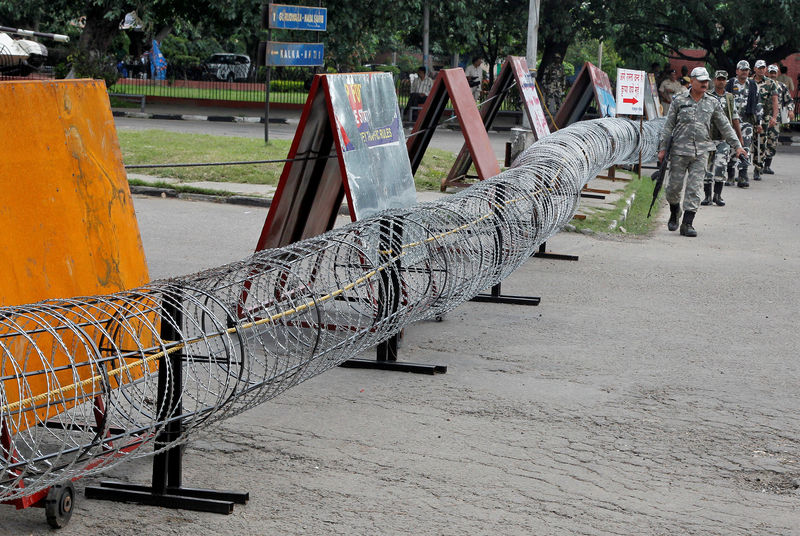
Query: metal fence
point(286, 87)
point(195, 82)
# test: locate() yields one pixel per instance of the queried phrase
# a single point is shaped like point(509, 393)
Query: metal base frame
point(386, 359)
point(544, 254)
point(496, 296)
point(386, 351)
point(198, 500)
point(167, 488)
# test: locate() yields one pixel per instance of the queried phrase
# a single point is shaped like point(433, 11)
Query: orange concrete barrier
point(67, 228)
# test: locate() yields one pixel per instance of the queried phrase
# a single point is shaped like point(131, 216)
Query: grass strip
point(636, 222)
point(163, 147)
point(182, 188)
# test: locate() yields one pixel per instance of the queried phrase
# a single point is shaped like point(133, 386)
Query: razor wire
point(85, 382)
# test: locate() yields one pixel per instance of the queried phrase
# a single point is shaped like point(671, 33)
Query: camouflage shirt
point(766, 89)
point(740, 94)
point(734, 112)
point(689, 125)
point(784, 96)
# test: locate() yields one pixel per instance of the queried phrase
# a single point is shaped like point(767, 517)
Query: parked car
point(228, 67)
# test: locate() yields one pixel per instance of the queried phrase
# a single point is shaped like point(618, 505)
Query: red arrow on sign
point(632, 100)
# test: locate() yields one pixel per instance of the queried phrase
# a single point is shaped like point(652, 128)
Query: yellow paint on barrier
point(67, 228)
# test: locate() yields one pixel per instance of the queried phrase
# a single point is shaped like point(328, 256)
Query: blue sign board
point(295, 54)
point(298, 17)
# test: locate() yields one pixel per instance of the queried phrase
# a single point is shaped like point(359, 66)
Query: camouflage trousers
point(772, 141)
point(718, 163)
point(693, 168)
point(747, 138)
point(764, 146)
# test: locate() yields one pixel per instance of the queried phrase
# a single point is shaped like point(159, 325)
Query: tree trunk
point(551, 74)
point(99, 32)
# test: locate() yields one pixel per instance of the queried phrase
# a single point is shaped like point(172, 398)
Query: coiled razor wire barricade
point(85, 382)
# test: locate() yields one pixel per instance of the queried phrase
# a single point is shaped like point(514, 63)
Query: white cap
point(700, 73)
point(772, 68)
point(743, 64)
point(760, 63)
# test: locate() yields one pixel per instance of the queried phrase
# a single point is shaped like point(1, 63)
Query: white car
point(228, 67)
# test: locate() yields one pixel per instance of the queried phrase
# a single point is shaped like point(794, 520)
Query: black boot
point(674, 211)
point(743, 182)
point(767, 170)
point(756, 175)
point(718, 194)
point(731, 175)
point(707, 189)
point(686, 226)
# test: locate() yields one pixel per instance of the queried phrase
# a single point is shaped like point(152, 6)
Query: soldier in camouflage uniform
point(785, 114)
point(688, 125)
point(767, 132)
point(745, 95)
point(718, 159)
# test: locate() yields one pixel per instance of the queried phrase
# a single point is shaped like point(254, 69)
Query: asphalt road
point(653, 391)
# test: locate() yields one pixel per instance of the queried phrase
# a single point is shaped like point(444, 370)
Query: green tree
point(561, 21)
point(358, 30)
point(728, 31)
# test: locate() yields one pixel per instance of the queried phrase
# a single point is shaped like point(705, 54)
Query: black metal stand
point(543, 254)
point(167, 489)
point(497, 297)
point(386, 351)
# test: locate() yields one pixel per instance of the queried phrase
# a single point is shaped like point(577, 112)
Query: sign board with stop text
point(630, 92)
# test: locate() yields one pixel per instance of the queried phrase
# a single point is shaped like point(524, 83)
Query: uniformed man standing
point(718, 159)
point(785, 114)
point(689, 126)
point(768, 129)
point(745, 95)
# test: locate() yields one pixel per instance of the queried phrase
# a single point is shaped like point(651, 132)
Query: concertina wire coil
point(79, 377)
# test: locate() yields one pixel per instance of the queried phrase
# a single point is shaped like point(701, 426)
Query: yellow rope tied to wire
point(76, 386)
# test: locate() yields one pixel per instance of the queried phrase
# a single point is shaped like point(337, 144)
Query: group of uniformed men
point(743, 114)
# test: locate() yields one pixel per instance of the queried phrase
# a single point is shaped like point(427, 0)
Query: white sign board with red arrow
point(630, 92)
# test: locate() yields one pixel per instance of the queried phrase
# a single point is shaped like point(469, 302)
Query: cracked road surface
point(653, 391)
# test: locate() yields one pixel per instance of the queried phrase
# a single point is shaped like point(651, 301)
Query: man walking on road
point(768, 129)
point(745, 94)
point(785, 114)
point(718, 159)
point(689, 126)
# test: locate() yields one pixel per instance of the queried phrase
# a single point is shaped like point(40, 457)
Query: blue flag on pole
point(158, 64)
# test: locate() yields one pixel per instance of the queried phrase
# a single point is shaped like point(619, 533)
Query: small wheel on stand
point(59, 503)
